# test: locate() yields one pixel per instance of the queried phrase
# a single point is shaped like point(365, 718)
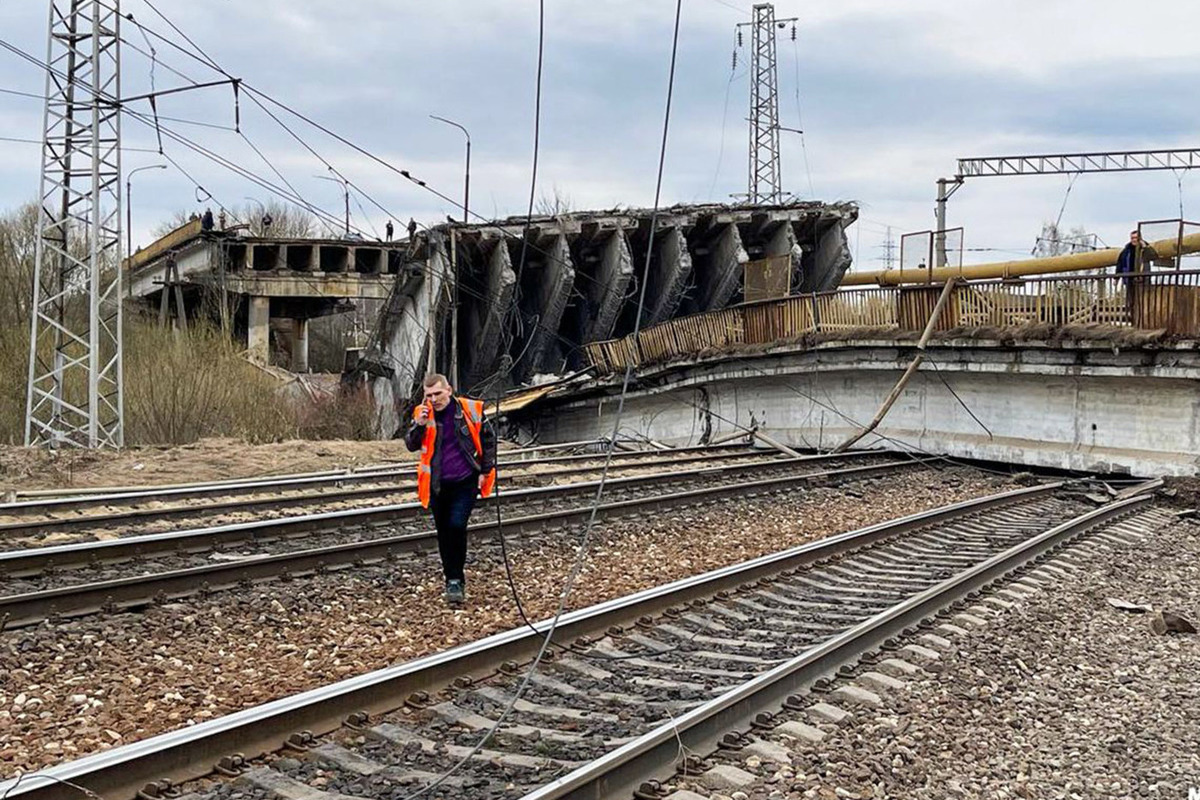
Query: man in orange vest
point(458, 462)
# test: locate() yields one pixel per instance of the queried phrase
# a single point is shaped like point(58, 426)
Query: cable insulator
point(739, 33)
point(793, 31)
point(735, 60)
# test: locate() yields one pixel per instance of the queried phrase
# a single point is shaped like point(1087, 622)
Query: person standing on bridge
point(1135, 255)
point(1133, 258)
point(457, 464)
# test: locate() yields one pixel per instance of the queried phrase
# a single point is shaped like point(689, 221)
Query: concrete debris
point(1125, 605)
point(529, 293)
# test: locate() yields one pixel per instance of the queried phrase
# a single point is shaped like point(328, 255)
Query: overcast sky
point(891, 91)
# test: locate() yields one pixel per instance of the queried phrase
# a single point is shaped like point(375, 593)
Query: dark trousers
point(451, 507)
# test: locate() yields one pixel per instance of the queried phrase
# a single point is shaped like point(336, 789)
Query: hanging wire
point(800, 115)
point(724, 127)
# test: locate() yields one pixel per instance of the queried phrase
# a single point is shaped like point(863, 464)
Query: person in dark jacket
point(457, 464)
point(1134, 253)
point(1134, 257)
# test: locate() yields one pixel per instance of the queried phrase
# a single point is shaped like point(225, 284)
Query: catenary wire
point(577, 568)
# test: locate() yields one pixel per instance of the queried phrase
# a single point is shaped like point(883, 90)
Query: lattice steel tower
point(75, 386)
point(765, 185)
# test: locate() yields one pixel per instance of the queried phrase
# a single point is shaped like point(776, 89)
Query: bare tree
point(556, 203)
point(1054, 241)
point(18, 245)
point(288, 221)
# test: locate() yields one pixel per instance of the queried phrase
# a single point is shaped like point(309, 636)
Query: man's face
point(438, 395)
point(1134, 238)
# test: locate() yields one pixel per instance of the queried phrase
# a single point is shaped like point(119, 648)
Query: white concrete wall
point(1103, 412)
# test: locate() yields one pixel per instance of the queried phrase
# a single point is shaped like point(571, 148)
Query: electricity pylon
point(74, 394)
point(765, 185)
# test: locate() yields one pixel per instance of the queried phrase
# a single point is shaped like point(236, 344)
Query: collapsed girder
point(530, 295)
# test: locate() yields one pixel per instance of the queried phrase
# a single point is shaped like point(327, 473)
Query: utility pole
point(454, 252)
point(765, 179)
point(129, 205)
point(345, 191)
point(74, 396)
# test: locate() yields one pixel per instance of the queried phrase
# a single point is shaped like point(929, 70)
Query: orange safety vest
point(473, 414)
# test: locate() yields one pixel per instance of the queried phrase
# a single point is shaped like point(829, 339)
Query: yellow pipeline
point(1097, 259)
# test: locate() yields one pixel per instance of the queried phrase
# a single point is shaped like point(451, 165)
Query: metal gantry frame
point(1054, 164)
point(74, 395)
point(765, 180)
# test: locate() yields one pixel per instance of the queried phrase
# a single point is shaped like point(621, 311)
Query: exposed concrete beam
point(606, 292)
point(825, 266)
point(486, 319)
point(402, 335)
point(783, 242)
point(548, 288)
point(719, 272)
point(668, 276)
point(287, 284)
point(698, 249)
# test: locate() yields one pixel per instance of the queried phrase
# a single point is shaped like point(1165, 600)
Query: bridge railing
point(1166, 301)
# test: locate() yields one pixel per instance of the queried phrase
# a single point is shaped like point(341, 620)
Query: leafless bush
point(344, 415)
point(180, 387)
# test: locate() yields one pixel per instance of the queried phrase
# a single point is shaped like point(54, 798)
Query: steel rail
point(101, 491)
point(192, 752)
point(85, 491)
point(39, 527)
point(128, 593)
point(655, 754)
point(521, 470)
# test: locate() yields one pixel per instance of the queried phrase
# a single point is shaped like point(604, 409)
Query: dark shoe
point(456, 592)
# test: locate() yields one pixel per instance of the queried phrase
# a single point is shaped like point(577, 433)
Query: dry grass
point(183, 387)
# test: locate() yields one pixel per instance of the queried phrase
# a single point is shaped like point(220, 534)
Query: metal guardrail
point(1166, 301)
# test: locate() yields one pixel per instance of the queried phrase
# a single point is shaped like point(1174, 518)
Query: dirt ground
point(23, 468)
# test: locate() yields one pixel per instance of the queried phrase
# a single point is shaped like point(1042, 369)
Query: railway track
point(88, 577)
point(630, 684)
point(133, 511)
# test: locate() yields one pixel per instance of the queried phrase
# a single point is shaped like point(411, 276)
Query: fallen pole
point(908, 373)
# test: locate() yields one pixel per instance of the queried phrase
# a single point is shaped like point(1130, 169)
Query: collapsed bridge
point(500, 303)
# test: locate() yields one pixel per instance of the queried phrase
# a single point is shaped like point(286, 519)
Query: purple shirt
point(456, 465)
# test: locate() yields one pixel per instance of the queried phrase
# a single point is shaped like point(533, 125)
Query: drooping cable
point(581, 558)
point(812, 193)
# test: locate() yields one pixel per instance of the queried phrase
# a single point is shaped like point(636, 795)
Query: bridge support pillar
point(300, 345)
point(258, 329)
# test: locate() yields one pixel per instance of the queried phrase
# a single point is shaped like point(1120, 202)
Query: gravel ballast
point(1049, 692)
point(75, 688)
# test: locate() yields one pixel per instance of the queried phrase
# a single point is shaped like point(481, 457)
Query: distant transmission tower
point(765, 173)
point(889, 249)
point(75, 394)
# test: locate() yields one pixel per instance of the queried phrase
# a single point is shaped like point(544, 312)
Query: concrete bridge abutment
point(1070, 406)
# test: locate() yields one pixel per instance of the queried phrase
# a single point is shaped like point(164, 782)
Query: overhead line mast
point(74, 393)
point(765, 179)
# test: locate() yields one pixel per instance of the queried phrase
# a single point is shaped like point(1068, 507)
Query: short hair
point(434, 378)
